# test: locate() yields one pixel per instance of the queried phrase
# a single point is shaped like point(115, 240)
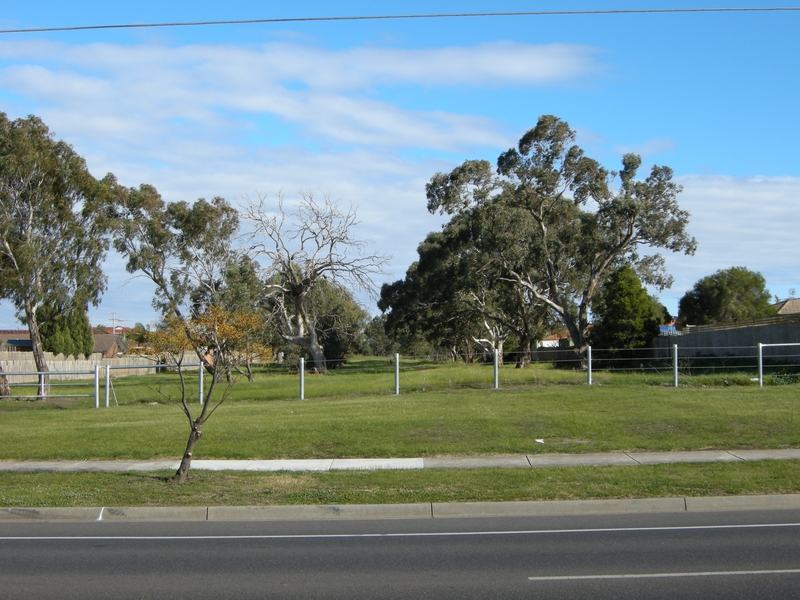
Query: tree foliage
point(339, 321)
point(626, 316)
point(65, 330)
point(734, 294)
point(376, 341)
point(555, 225)
point(185, 250)
point(52, 241)
point(456, 297)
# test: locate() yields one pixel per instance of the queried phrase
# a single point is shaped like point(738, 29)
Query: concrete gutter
point(405, 511)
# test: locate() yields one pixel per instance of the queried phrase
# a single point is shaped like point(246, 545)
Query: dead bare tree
point(314, 241)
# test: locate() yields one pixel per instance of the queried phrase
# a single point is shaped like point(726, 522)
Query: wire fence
point(80, 384)
point(762, 364)
point(62, 384)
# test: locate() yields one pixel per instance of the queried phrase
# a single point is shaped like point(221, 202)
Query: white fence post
point(760, 365)
point(396, 374)
point(675, 365)
point(108, 382)
point(496, 369)
point(302, 379)
point(200, 386)
point(97, 386)
point(589, 362)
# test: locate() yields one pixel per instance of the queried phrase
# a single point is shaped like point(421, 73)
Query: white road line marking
point(396, 535)
point(660, 575)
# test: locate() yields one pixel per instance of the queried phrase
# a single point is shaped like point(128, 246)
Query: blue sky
point(368, 111)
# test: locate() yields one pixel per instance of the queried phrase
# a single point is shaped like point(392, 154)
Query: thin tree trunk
point(182, 474)
point(5, 389)
point(38, 352)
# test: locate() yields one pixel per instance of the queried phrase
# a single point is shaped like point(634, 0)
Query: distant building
point(668, 329)
point(559, 339)
point(109, 345)
point(15, 340)
point(790, 306)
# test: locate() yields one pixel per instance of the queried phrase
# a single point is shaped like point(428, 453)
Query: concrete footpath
point(444, 462)
point(405, 511)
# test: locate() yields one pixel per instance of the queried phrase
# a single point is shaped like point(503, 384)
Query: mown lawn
point(449, 414)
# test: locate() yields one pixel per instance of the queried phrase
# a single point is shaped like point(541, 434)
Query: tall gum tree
point(456, 291)
point(185, 250)
point(567, 226)
point(52, 227)
point(313, 242)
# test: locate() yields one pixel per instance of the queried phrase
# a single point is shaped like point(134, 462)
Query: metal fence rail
point(96, 373)
point(672, 363)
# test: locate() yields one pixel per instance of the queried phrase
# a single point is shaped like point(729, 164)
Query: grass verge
point(387, 487)
point(571, 419)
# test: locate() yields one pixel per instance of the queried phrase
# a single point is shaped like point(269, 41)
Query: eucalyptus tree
point(455, 293)
point(52, 227)
point(185, 250)
point(306, 245)
point(429, 300)
point(565, 225)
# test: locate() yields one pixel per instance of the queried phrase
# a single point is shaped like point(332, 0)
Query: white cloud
point(497, 63)
point(126, 92)
point(748, 221)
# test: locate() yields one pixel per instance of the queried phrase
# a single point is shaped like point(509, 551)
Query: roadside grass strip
point(216, 488)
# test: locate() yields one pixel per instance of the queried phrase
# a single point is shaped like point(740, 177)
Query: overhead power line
point(540, 13)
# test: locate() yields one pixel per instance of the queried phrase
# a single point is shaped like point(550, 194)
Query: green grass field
point(443, 409)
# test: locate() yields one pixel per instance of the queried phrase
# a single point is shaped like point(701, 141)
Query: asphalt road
point(727, 555)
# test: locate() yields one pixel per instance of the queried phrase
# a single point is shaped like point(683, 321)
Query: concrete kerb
point(405, 511)
point(309, 512)
point(718, 503)
point(558, 507)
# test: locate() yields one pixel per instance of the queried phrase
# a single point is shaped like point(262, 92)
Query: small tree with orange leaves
point(218, 335)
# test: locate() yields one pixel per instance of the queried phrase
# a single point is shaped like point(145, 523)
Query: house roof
point(789, 306)
point(18, 344)
point(11, 337)
point(103, 342)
